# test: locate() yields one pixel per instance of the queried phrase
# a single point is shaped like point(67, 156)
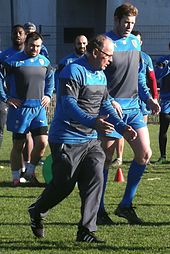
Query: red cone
point(119, 176)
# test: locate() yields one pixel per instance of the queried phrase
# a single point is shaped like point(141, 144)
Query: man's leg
point(108, 148)
point(40, 143)
point(90, 182)
point(119, 146)
point(16, 157)
point(164, 120)
point(142, 154)
point(3, 118)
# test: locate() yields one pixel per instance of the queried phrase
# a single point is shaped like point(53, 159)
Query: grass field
point(152, 202)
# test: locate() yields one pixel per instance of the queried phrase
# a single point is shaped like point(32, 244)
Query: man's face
point(33, 47)
point(80, 45)
point(18, 36)
point(124, 26)
point(104, 56)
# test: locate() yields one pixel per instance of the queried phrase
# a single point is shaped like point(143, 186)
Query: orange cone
point(119, 176)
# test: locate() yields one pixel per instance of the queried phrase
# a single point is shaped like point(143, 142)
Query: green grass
point(152, 201)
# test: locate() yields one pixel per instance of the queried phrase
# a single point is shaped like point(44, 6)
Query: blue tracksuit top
point(162, 72)
point(126, 81)
point(29, 79)
point(81, 93)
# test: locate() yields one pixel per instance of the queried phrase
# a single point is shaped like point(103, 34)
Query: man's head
point(80, 44)
point(33, 44)
point(29, 27)
point(124, 19)
point(100, 52)
point(18, 36)
point(138, 35)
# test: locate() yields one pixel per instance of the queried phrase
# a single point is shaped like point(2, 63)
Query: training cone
point(119, 176)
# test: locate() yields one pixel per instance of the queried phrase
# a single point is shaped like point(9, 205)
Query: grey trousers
point(75, 163)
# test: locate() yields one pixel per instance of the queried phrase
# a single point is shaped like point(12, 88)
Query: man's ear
point(95, 52)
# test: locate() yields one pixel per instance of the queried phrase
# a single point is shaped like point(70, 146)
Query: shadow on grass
point(69, 246)
point(22, 185)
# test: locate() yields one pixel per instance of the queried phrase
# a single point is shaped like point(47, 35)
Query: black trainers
point(36, 223)
point(103, 218)
point(32, 180)
point(129, 214)
point(84, 235)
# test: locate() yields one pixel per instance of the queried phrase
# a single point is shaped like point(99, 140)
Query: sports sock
point(134, 175)
point(105, 177)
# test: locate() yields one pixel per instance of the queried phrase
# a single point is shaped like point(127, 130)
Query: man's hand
point(14, 102)
point(153, 105)
point(45, 101)
point(129, 133)
point(103, 126)
point(118, 108)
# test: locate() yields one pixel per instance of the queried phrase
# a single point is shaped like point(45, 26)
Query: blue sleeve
point(3, 94)
point(118, 123)
point(71, 108)
point(162, 67)
point(143, 89)
point(49, 82)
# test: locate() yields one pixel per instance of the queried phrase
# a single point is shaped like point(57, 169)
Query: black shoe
point(32, 180)
point(103, 219)
point(84, 235)
point(36, 223)
point(129, 214)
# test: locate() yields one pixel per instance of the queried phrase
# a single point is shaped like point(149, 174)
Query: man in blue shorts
point(30, 85)
point(148, 71)
point(18, 38)
point(125, 83)
point(76, 151)
point(162, 71)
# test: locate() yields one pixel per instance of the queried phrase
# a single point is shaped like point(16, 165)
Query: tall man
point(76, 152)
point(123, 79)
point(18, 38)
point(31, 83)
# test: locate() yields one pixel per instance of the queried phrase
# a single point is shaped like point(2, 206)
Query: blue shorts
point(24, 119)
point(134, 119)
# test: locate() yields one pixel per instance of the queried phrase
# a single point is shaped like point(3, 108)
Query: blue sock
point(105, 176)
point(134, 175)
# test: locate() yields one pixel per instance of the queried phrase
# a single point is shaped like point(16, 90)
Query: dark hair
point(125, 9)
point(96, 42)
point(136, 33)
point(17, 26)
point(35, 36)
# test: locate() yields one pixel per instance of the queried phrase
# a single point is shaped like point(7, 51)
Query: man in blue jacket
point(76, 151)
point(30, 85)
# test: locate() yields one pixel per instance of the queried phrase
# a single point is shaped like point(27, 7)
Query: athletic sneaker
point(32, 180)
point(84, 235)
point(103, 218)
point(162, 160)
point(117, 162)
point(36, 223)
point(129, 214)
